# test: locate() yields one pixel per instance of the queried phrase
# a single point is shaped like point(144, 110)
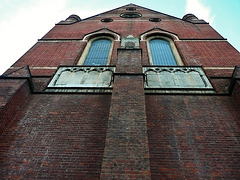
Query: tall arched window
point(97, 52)
point(161, 53)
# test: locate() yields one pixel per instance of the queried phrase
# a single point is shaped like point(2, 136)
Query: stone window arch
point(162, 51)
point(97, 52)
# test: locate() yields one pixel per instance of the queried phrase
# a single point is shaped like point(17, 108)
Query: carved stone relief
point(176, 77)
point(83, 77)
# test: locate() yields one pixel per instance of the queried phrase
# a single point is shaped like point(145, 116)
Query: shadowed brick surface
point(221, 85)
point(193, 137)
point(41, 83)
point(56, 136)
point(236, 92)
point(126, 154)
point(13, 95)
point(236, 88)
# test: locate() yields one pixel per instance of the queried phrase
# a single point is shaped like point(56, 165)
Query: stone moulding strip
point(129, 74)
point(67, 40)
point(220, 68)
point(79, 90)
point(59, 40)
point(34, 67)
point(197, 40)
point(183, 93)
point(214, 40)
point(180, 92)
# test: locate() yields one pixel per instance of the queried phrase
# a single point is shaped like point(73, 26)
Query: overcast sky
point(23, 22)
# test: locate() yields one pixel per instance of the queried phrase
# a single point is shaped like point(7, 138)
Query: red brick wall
point(62, 136)
point(126, 154)
point(13, 94)
point(219, 72)
point(208, 53)
point(221, 85)
point(51, 54)
point(40, 84)
point(56, 136)
point(193, 137)
point(135, 27)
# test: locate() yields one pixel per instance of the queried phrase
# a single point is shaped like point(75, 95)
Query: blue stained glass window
point(161, 53)
point(98, 52)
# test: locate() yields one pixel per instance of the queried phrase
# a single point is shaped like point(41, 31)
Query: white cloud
point(31, 20)
point(21, 30)
point(199, 9)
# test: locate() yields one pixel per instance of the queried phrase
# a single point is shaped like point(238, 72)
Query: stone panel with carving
point(176, 77)
point(88, 77)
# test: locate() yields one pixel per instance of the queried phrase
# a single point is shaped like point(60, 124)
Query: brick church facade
point(131, 93)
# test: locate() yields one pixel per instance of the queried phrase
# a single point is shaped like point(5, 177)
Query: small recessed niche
point(155, 19)
point(107, 20)
point(131, 15)
point(131, 9)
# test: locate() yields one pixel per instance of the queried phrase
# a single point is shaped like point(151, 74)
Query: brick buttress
point(126, 153)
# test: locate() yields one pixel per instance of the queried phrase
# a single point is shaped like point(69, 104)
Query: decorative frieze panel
point(72, 77)
point(176, 78)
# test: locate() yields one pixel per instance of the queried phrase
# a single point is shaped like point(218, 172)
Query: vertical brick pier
point(126, 154)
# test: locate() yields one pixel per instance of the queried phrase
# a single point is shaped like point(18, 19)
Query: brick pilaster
point(126, 153)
